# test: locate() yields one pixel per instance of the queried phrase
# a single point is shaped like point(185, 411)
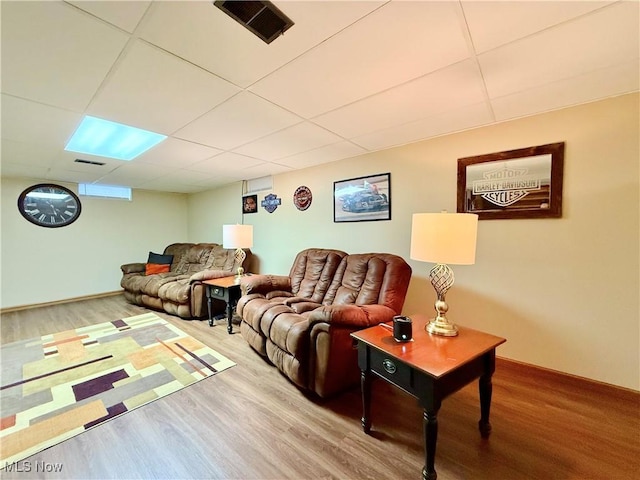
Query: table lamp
point(238, 237)
point(443, 238)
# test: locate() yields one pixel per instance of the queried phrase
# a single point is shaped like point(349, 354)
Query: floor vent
point(88, 162)
point(262, 18)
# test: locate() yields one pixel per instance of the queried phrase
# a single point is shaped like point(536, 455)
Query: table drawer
point(391, 369)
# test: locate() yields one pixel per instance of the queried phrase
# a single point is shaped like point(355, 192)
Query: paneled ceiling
point(350, 77)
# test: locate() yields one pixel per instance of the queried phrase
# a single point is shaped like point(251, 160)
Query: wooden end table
point(226, 289)
point(430, 368)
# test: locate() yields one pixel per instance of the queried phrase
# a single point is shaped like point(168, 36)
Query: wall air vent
point(88, 162)
point(262, 18)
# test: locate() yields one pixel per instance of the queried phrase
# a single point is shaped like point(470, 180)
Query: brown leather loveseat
point(179, 291)
point(302, 322)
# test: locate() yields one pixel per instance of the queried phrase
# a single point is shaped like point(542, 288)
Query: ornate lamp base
point(442, 280)
point(444, 328)
point(239, 256)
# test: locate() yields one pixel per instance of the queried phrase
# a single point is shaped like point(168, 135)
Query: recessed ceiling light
point(103, 138)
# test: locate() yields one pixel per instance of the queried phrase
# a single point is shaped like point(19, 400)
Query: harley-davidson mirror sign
point(524, 183)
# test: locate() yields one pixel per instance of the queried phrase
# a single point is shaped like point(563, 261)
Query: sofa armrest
point(208, 275)
point(355, 316)
point(265, 284)
point(133, 268)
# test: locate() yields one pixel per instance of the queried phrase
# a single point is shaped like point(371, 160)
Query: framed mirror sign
point(523, 183)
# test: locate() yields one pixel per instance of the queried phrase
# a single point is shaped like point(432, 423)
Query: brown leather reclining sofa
point(302, 322)
point(180, 291)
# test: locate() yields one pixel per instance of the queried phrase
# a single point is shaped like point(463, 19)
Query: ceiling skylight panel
point(104, 138)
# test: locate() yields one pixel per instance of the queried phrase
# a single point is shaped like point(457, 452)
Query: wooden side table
point(430, 368)
point(227, 290)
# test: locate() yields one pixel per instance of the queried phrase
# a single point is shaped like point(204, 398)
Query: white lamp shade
point(237, 236)
point(448, 238)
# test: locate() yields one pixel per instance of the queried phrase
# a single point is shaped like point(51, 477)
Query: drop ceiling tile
point(492, 24)
point(602, 83)
point(326, 154)
point(167, 185)
point(32, 122)
point(447, 89)
point(221, 45)
point(72, 176)
point(177, 153)
point(264, 170)
point(132, 174)
point(225, 163)
point(69, 53)
point(189, 177)
point(392, 45)
point(67, 161)
point(215, 182)
point(602, 39)
point(157, 91)
point(241, 119)
point(124, 15)
point(299, 138)
point(464, 118)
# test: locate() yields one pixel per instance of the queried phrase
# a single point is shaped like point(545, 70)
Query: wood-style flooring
point(250, 422)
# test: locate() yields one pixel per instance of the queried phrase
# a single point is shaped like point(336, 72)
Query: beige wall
point(48, 264)
point(564, 292)
point(208, 211)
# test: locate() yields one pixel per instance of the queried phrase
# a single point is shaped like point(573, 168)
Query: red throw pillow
point(156, 268)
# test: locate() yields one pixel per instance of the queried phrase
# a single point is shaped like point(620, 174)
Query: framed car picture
point(362, 199)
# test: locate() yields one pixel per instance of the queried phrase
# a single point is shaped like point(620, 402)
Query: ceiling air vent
point(262, 18)
point(88, 162)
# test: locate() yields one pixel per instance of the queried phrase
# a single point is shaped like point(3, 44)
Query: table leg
point(430, 427)
point(486, 389)
point(365, 385)
point(209, 304)
point(229, 317)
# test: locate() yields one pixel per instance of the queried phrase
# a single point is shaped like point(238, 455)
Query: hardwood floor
point(249, 422)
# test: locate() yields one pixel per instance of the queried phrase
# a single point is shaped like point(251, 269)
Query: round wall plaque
point(302, 198)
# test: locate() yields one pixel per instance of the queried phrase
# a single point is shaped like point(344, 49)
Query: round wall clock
point(49, 205)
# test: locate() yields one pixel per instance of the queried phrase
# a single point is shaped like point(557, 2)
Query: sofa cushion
point(160, 259)
point(361, 281)
point(176, 291)
point(152, 286)
point(194, 260)
point(153, 268)
point(221, 259)
point(178, 250)
point(313, 273)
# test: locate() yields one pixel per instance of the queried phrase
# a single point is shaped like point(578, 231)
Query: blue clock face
point(49, 205)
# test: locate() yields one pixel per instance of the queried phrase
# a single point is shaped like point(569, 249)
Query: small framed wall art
point(250, 204)
point(362, 199)
point(523, 183)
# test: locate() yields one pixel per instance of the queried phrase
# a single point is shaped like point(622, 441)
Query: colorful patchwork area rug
point(60, 385)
